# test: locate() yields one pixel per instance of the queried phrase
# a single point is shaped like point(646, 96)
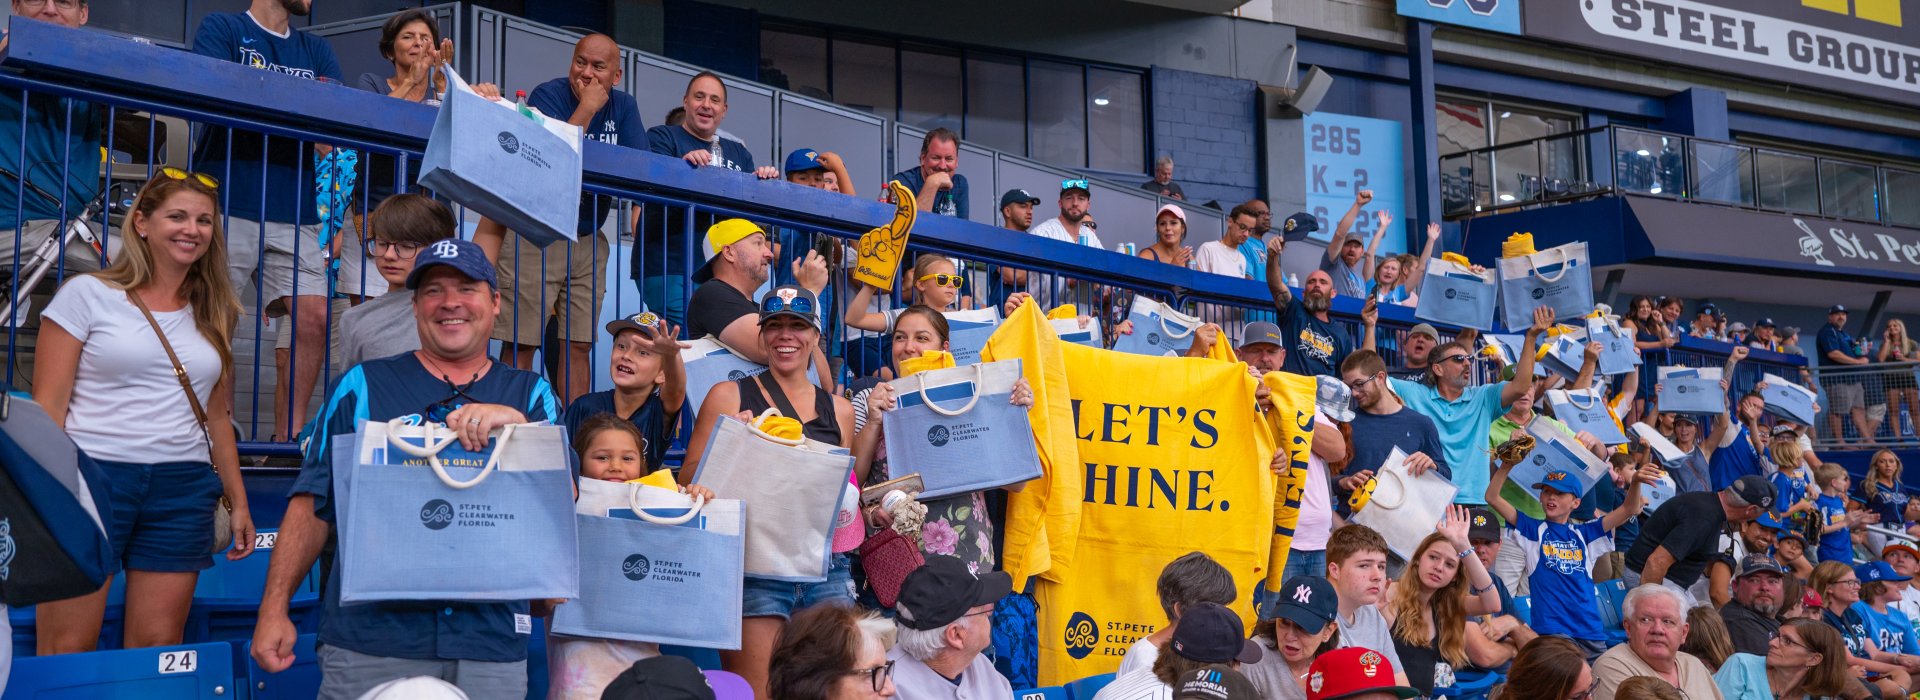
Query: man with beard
point(1754, 536)
point(1316, 345)
point(1016, 213)
point(1072, 226)
point(1464, 414)
point(1346, 262)
point(1756, 598)
point(266, 192)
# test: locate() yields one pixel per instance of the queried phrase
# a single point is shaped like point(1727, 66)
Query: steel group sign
point(1859, 47)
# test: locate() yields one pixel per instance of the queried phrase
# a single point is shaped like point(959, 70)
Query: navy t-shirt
point(1374, 438)
point(952, 202)
point(236, 161)
point(617, 123)
point(380, 390)
point(1314, 347)
point(670, 237)
point(1833, 338)
point(652, 418)
point(1730, 463)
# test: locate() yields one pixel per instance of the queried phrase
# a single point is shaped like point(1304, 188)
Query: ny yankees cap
point(1307, 601)
point(459, 254)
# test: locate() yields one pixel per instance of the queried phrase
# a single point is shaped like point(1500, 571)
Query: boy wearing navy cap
point(649, 384)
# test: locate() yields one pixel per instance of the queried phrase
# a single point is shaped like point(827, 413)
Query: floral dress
point(957, 526)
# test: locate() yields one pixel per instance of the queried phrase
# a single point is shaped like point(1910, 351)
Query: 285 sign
point(1344, 155)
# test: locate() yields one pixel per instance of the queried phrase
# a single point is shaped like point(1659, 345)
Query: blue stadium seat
point(226, 599)
point(301, 681)
point(1048, 693)
point(1523, 608)
point(706, 659)
point(1471, 684)
point(159, 673)
point(1085, 688)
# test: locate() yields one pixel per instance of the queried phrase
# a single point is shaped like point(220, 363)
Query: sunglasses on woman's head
point(799, 305)
point(203, 178)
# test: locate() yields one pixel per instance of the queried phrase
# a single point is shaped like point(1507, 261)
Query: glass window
point(1059, 120)
point(1723, 173)
point(1848, 190)
point(159, 20)
point(1462, 126)
point(997, 102)
point(1115, 121)
point(1903, 210)
point(1786, 181)
point(930, 89)
point(863, 76)
point(796, 62)
point(1512, 125)
point(1649, 162)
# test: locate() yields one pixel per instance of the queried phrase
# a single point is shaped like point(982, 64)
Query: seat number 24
point(180, 661)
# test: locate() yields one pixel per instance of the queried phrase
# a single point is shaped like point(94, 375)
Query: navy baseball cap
point(1878, 571)
point(1308, 601)
point(803, 160)
point(1482, 525)
point(1708, 308)
point(457, 253)
point(790, 300)
point(1211, 634)
point(1759, 563)
point(1763, 323)
point(642, 322)
point(1016, 196)
point(1837, 309)
point(1297, 227)
point(1755, 490)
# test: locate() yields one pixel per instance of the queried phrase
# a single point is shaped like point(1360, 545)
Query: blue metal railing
point(159, 88)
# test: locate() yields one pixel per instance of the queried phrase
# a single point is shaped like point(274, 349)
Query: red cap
point(1353, 671)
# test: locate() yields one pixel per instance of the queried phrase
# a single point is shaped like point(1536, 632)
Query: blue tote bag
point(957, 428)
point(1564, 356)
point(1788, 400)
point(656, 566)
point(1559, 277)
point(709, 362)
point(54, 511)
point(489, 526)
point(1070, 330)
point(519, 171)
point(1584, 410)
point(1694, 390)
point(1617, 355)
point(968, 331)
point(1159, 330)
point(792, 491)
point(1555, 448)
point(1454, 294)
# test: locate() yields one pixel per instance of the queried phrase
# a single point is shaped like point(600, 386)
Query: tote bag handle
point(1573, 396)
point(1565, 258)
point(633, 501)
point(1167, 310)
point(1399, 481)
point(979, 379)
point(431, 451)
point(754, 426)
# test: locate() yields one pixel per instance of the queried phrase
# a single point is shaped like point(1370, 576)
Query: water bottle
point(1086, 240)
point(713, 147)
point(1293, 279)
point(520, 103)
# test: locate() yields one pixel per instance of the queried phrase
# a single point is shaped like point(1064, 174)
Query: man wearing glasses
point(1655, 618)
point(945, 621)
point(402, 225)
point(59, 158)
point(1382, 424)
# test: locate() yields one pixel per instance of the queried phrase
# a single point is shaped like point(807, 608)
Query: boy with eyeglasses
point(402, 225)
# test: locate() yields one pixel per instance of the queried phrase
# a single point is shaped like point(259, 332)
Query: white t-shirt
point(1217, 258)
point(1909, 603)
point(1052, 228)
point(126, 405)
point(1141, 655)
point(1316, 503)
point(1135, 685)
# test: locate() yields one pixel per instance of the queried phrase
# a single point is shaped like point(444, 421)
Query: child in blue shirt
point(1561, 556)
point(1836, 542)
point(1889, 628)
point(1792, 481)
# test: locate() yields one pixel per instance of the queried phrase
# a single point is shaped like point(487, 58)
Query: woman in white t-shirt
point(104, 376)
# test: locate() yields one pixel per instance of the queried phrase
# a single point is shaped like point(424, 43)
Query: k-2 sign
point(1346, 154)
point(1491, 15)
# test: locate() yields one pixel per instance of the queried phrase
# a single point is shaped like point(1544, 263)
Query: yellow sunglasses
point(179, 174)
point(943, 279)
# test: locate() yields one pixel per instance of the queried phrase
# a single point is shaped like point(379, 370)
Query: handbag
point(1560, 277)
point(958, 428)
point(1403, 508)
point(888, 557)
point(968, 331)
point(53, 538)
point(1454, 294)
point(1585, 410)
point(645, 550)
point(521, 169)
point(1070, 331)
point(709, 362)
point(1564, 356)
point(790, 518)
point(1788, 400)
point(1691, 390)
point(223, 509)
point(1556, 449)
point(1617, 355)
point(1158, 329)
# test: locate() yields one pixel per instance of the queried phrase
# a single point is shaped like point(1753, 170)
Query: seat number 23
point(182, 661)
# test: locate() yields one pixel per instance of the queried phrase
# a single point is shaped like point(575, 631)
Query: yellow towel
point(783, 427)
point(1290, 424)
point(1457, 259)
point(1518, 245)
point(1043, 519)
point(931, 359)
point(1064, 311)
point(662, 478)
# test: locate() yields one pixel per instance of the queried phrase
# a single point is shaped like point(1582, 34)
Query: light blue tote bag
point(708, 362)
point(1158, 330)
point(968, 331)
point(521, 171)
point(1617, 355)
point(791, 490)
point(656, 566)
point(1070, 330)
point(957, 428)
point(1555, 448)
point(1456, 295)
point(420, 518)
point(1565, 354)
point(1559, 277)
point(1694, 390)
point(1788, 400)
point(1584, 410)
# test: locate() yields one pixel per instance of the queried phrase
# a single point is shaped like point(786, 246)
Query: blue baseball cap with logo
point(802, 160)
point(1878, 571)
point(459, 254)
point(1560, 480)
point(1772, 522)
point(1017, 196)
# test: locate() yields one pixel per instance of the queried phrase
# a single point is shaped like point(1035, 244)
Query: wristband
point(1466, 553)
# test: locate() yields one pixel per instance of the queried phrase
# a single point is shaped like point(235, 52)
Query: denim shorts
point(163, 515)
point(768, 598)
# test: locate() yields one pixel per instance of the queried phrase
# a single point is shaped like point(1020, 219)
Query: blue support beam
point(1698, 112)
point(1426, 140)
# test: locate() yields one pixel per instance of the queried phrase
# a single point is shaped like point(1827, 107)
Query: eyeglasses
point(880, 674)
point(988, 611)
point(62, 5)
point(1784, 639)
point(798, 305)
point(406, 251)
point(179, 174)
point(1849, 582)
point(1080, 184)
point(1666, 622)
point(1582, 695)
point(1453, 358)
point(943, 279)
point(1357, 385)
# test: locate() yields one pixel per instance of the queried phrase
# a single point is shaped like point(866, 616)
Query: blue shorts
point(163, 515)
point(768, 598)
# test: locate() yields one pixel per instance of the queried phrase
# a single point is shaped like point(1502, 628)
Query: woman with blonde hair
point(161, 428)
point(1881, 489)
point(1897, 346)
point(1707, 637)
point(1427, 609)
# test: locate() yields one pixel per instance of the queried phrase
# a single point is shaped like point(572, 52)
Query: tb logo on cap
point(446, 250)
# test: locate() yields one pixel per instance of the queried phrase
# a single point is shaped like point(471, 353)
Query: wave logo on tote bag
point(1082, 635)
point(938, 436)
point(1539, 461)
point(1451, 293)
point(509, 142)
point(736, 375)
point(635, 567)
point(1681, 388)
point(6, 547)
point(1539, 293)
point(436, 514)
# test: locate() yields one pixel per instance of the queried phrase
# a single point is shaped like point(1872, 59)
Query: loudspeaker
point(1298, 101)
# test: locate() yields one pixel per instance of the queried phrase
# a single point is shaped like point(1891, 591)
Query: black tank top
point(825, 426)
point(1424, 666)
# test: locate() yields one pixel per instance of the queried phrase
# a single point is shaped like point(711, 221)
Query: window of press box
point(1466, 124)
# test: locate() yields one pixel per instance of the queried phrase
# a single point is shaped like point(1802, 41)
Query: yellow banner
point(1290, 424)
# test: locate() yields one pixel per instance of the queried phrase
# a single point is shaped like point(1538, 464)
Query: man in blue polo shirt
point(1465, 414)
point(936, 187)
point(566, 279)
point(481, 647)
point(266, 188)
point(60, 156)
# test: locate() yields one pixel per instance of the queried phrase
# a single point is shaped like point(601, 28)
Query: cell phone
point(871, 495)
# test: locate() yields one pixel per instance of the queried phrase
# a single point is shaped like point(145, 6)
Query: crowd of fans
point(1765, 572)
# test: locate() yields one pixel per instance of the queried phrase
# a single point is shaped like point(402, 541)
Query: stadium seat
point(158, 673)
point(1048, 693)
point(706, 659)
point(1523, 608)
point(729, 686)
point(1085, 688)
point(1471, 684)
point(301, 681)
point(1608, 596)
point(226, 599)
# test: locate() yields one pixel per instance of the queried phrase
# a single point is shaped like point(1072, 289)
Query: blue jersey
point(617, 123)
point(1836, 545)
point(285, 194)
point(1891, 631)
point(1789, 488)
point(381, 390)
point(1733, 461)
point(1889, 503)
point(1560, 560)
